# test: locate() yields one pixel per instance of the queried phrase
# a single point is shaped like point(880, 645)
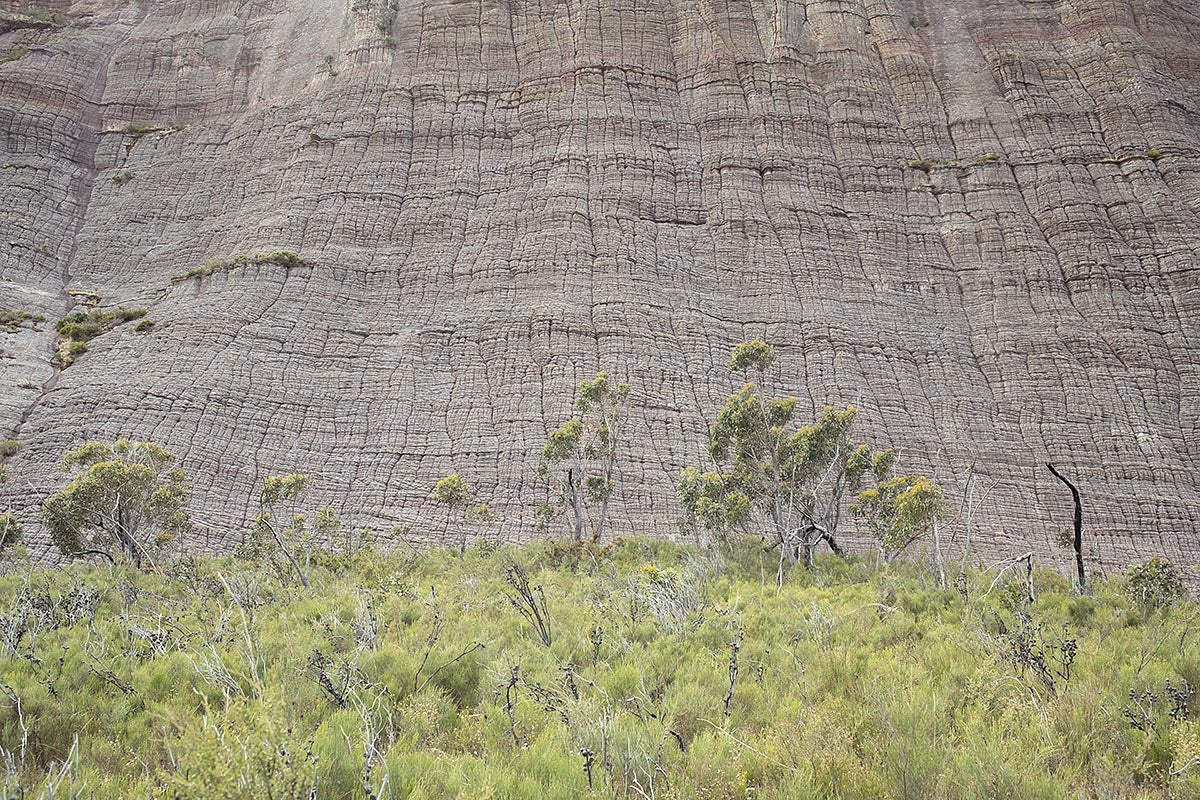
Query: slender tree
point(124, 498)
point(454, 493)
point(580, 457)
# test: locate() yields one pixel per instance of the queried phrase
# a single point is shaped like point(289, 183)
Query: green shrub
point(14, 321)
point(123, 177)
point(284, 258)
point(1154, 584)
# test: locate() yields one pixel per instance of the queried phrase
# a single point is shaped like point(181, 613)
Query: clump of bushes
point(123, 177)
point(435, 674)
point(13, 321)
point(284, 258)
point(8, 447)
point(1154, 584)
point(77, 329)
point(12, 55)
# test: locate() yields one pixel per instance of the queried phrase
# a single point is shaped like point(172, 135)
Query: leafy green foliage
point(579, 458)
point(414, 676)
point(797, 478)
point(77, 329)
point(453, 491)
point(794, 477)
point(9, 447)
point(124, 498)
point(752, 355)
point(900, 510)
point(283, 258)
point(1154, 584)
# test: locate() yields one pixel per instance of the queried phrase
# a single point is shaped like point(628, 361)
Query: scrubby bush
point(77, 329)
point(284, 258)
point(1154, 584)
point(414, 675)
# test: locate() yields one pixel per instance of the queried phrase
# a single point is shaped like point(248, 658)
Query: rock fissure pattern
point(977, 219)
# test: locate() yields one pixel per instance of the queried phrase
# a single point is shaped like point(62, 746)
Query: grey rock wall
point(495, 198)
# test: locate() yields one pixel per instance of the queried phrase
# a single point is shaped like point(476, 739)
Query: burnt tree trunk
point(1078, 541)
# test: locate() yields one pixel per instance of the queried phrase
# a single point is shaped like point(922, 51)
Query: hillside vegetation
point(563, 671)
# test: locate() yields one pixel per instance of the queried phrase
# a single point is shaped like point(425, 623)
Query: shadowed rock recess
point(979, 220)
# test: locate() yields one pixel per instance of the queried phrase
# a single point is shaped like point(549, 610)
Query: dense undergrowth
point(670, 672)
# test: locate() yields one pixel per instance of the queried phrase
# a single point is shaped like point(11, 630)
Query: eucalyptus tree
point(579, 459)
point(124, 499)
point(797, 477)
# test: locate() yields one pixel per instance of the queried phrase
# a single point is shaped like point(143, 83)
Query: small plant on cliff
point(284, 258)
point(77, 329)
point(124, 499)
point(579, 459)
point(15, 321)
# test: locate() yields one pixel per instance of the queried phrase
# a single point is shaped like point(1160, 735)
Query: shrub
point(77, 329)
point(8, 447)
point(123, 177)
point(284, 258)
point(1154, 584)
point(1153, 154)
point(14, 321)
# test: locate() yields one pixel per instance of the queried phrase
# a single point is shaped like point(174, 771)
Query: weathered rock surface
point(977, 219)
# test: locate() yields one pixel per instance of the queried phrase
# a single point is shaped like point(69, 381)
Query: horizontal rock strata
point(979, 220)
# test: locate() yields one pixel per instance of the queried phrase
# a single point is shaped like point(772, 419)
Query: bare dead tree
point(1078, 541)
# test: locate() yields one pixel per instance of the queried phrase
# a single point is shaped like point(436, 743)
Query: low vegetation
point(635, 670)
point(13, 321)
point(77, 329)
point(283, 258)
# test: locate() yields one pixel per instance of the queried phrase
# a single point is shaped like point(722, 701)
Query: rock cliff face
point(977, 219)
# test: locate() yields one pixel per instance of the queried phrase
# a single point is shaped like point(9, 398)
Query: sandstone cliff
point(977, 219)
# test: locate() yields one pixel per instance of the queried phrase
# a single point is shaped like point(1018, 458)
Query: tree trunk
point(937, 555)
point(576, 506)
point(1078, 541)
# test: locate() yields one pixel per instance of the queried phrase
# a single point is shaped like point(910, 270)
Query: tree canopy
point(125, 498)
